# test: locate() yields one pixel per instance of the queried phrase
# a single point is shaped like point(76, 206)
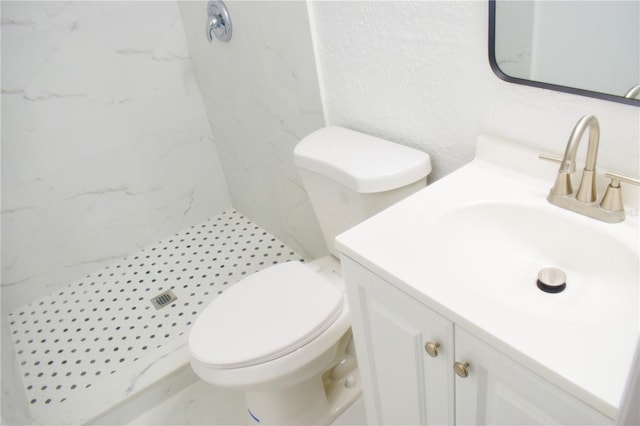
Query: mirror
point(584, 47)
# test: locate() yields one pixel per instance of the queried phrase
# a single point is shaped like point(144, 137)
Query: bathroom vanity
point(449, 325)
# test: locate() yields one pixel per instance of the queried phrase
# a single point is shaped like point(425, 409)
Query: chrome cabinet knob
point(432, 348)
point(461, 369)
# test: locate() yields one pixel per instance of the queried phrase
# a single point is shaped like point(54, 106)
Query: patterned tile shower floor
point(99, 326)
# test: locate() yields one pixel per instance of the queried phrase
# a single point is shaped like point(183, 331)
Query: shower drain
point(163, 299)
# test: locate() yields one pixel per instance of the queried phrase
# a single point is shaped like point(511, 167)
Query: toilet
point(282, 335)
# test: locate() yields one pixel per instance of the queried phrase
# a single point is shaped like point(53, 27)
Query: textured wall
point(418, 73)
point(261, 95)
point(106, 147)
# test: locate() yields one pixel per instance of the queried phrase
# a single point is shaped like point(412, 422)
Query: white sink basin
point(496, 249)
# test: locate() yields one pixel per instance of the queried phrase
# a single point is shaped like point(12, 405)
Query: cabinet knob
point(432, 348)
point(461, 369)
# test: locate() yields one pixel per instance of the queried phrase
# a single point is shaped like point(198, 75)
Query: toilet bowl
point(282, 335)
point(277, 348)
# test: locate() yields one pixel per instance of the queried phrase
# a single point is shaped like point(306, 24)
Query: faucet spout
point(569, 160)
point(587, 189)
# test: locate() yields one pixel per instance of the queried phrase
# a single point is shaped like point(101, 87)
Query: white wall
point(418, 73)
point(261, 94)
point(106, 146)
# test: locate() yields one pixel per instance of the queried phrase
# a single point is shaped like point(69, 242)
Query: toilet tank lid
point(361, 162)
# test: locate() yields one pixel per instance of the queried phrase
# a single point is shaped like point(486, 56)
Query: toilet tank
point(350, 176)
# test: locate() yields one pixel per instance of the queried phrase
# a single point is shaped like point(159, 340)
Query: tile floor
point(94, 343)
point(100, 346)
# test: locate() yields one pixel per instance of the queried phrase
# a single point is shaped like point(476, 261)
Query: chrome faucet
point(610, 208)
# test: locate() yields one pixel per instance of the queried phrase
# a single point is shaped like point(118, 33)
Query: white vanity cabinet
point(402, 383)
point(406, 354)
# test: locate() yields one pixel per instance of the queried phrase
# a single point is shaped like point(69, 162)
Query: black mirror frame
point(575, 91)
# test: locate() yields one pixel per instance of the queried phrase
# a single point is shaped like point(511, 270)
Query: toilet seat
point(270, 326)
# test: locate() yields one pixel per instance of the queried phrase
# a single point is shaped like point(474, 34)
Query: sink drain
point(552, 280)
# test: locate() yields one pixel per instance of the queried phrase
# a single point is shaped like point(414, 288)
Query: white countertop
point(587, 358)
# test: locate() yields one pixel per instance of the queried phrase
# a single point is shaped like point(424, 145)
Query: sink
point(470, 246)
point(504, 245)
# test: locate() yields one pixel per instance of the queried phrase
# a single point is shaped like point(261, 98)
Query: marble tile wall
point(262, 96)
point(106, 147)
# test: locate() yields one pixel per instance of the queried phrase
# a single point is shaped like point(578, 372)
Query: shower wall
point(106, 147)
point(262, 96)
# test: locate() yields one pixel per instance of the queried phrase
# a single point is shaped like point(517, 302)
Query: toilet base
point(316, 401)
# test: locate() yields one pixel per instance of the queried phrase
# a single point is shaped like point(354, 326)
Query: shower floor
point(89, 346)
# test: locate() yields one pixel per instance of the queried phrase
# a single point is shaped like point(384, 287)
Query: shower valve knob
point(218, 21)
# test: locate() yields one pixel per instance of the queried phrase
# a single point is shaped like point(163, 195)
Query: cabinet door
point(499, 391)
point(402, 384)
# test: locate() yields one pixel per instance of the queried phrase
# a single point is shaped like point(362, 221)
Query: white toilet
point(282, 335)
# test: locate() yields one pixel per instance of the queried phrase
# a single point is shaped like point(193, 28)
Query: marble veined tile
point(106, 145)
point(258, 117)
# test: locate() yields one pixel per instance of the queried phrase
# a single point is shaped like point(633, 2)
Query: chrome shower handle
point(213, 22)
point(218, 21)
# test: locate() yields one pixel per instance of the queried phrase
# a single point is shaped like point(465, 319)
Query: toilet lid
point(265, 316)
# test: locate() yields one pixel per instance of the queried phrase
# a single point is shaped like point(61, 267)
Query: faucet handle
point(562, 185)
point(622, 178)
point(549, 157)
point(612, 200)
